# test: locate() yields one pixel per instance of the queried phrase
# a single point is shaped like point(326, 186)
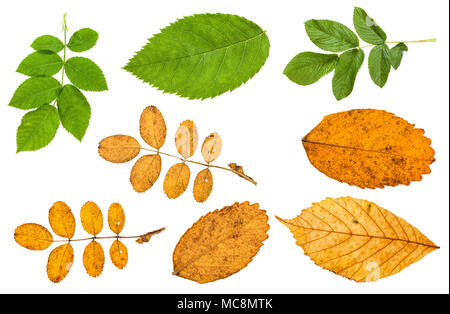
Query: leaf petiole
point(113, 237)
point(429, 40)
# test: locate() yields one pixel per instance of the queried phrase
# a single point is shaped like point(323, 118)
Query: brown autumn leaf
point(176, 180)
point(62, 220)
point(145, 172)
point(153, 127)
point(119, 148)
point(203, 185)
point(369, 148)
point(211, 147)
point(119, 254)
point(221, 243)
point(60, 262)
point(33, 236)
point(357, 239)
point(94, 259)
point(186, 138)
point(91, 218)
point(116, 218)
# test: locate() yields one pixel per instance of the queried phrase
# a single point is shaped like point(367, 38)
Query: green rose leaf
point(37, 129)
point(367, 28)
point(34, 92)
point(82, 40)
point(85, 74)
point(47, 42)
point(308, 67)
point(202, 56)
point(380, 64)
point(39, 63)
point(331, 36)
point(74, 111)
point(397, 54)
point(347, 68)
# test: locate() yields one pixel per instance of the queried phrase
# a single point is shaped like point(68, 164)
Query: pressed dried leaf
point(145, 172)
point(153, 127)
point(357, 239)
point(62, 220)
point(176, 180)
point(33, 236)
point(211, 147)
point(119, 148)
point(116, 218)
point(203, 185)
point(119, 254)
point(60, 262)
point(91, 218)
point(186, 138)
point(93, 259)
point(369, 148)
point(221, 243)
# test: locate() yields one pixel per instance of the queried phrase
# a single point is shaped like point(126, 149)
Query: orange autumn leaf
point(357, 239)
point(91, 218)
point(211, 147)
point(60, 262)
point(186, 138)
point(176, 180)
point(221, 243)
point(145, 172)
point(203, 185)
point(62, 220)
point(93, 259)
point(119, 148)
point(116, 218)
point(119, 254)
point(33, 236)
point(153, 127)
point(369, 148)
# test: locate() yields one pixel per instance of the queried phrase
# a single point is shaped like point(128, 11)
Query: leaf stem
point(112, 237)
point(429, 40)
point(64, 27)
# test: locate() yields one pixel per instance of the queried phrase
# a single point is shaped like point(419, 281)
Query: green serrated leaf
point(47, 42)
point(202, 56)
point(367, 28)
point(34, 92)
point(37, 129)
point(308, 67)
point(331, 36)
point(74, 111)
point(397, 54)
point(380, 64)
point(85, 74)
point(347, 68)
point(82, 40)
point(40, 63)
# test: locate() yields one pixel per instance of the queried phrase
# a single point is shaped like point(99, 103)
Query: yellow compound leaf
point(152, 127)
point(357, 239)
point(186, 139)
point(176, 180)
point(203, 185)
point(116, 218)
point(369, 148)
point(93, 259)
point(211, 147)
point(91, 218)
point(33, 236)
point(145, 172)
point(119, 254)
point(60, 262)
point(62, 220)
point(119, 148)
point(221, 243)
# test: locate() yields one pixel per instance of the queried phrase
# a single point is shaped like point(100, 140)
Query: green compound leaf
point(380, 64)
point(397, 54)
point(34, 92)
point(347, 68)
point(47, 42)
point(82, 40)
point(37, 129)
point(367, 28)
point(85, 74)
point(331, 36)
point(39, 63)
point(308, 67)
point(74, 111)
point(202, 56)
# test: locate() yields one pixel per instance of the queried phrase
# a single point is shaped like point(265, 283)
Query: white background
point(261, 124)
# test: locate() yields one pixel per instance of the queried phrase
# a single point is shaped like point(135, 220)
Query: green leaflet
point(37, 129)
point(347, 68)
point(41, 63)
point(82, 40)
point(47, 42)
point(367, 28)
point(202, 56)
point(397, 54)
point(308, 67)
point(35, 92)
point(85, 74)
point(380, 64)
point(331, 36)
